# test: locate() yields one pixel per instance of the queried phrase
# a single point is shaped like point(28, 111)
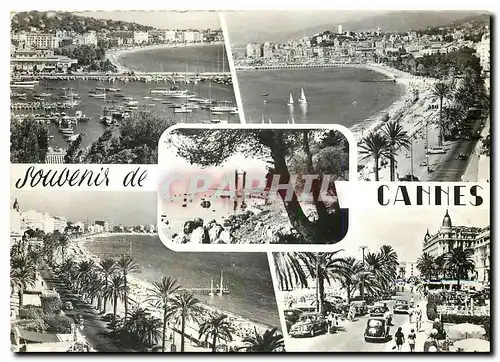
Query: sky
point(245, 26)
point(121, 207)
point(403, 227)
point(162, 19)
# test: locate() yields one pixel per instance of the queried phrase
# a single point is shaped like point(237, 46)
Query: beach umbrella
point(465, 330)
point(473, 345)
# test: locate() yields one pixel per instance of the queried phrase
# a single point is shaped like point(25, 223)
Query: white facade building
point(141, 37)
point(170, 35)
point(42, 41)
point(340, 29)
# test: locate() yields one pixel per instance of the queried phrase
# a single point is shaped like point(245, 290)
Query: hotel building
point(467, 237)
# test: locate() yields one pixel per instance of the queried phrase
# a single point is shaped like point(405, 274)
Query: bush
point(58, 324)
point(30, 312)
point(484, 321)
point(51, 304)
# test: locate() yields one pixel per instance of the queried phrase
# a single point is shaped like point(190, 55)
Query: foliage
point(216, 327)
point(375, 145)
point(269, 341)
point(137, 142)
point(73, 150)
point(58, 324)
point(51, 22)
point(50, 304)
point(28, 141)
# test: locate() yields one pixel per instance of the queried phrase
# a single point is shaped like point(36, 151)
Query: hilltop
point(51, 21)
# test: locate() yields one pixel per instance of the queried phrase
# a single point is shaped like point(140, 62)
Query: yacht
point(131, 103)
point(98, 95)
point(223, 109)
point(182, 110)
point(290, 101)
point(112, 90)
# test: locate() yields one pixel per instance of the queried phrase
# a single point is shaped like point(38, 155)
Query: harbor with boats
point(70, 107)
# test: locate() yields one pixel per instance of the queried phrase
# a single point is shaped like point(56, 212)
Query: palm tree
point(161, 296)
point(62, 243)
point(439, 266)
point(22, 275)
point(269, 341)
point(374, 145)
point(426, 265)
point(442, 91)
point(375, 264)
point(107, 268)
point(351, 275)
point(126, 265)
point(184, 307)
point(291, 269)
point(327, 268)
point(216, 327)
point(390, 259)
point(115, 291)
point(152, 327)
point(84, 275)
point(397, 138)
point(459, 262)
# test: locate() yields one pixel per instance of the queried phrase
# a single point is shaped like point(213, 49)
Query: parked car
point(378, 309)
point(68, 306)
point(462, 156)
point(401, 306)
point(360, 305)
point(377, 329)
point(436, 150)
point(291, 317)
point(409, 177)
point(309, 324)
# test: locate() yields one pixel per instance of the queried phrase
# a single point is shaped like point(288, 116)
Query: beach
point(139, 293)
point(114, 54)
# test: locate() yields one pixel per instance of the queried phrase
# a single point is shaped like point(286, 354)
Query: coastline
point(139, 291)
point(113, 55)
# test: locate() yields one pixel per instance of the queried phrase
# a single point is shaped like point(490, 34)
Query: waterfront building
point(33, 220)
point(481, 247)
point(170, 36)
point(189, 36)
point(89, 38)
point(107, 225)
point(60, 223)
point(141, 37)
point(267, 50)
point(339, 29)
point(254, 50)
point(408, 270)
point(42, 41)
point(483, 52)
point(27, 59)
point(467, 237)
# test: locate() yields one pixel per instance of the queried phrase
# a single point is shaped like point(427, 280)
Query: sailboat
point(221, 287)
point(290, 101)
point(302, 99)
point(211, 287)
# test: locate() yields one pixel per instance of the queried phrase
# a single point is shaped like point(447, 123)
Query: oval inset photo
point(253, 187)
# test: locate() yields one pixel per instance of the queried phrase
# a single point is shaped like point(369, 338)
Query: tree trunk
point(183, 326)
point(125, 295)
point(321, 285)
point(104, 302)
point(440, 136)
point(458, 278)
point(115, 305)
point(293, 208)
point(20, 295)
point(392, 164)
point(348, 290)
point(375, 167)
point(214, 342)
point(164, 329)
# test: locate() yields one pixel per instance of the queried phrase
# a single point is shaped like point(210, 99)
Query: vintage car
point(309, 324)
point(291, 317)
point(360, 305)
point(377, 329)
point(401, 306)
point(462, 156)
point(68, 306)
point(377, 309)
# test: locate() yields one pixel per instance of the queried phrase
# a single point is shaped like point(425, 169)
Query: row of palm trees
point(24, 261)
point(385, 143)
point(375, 274)
point(456, 263)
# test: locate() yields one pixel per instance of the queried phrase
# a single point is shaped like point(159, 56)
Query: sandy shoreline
point(139, 291)
point(113, 55)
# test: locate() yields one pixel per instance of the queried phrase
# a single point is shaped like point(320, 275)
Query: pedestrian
point(330, 322)
point(400, 339)
point(412, 300)
point(412, 337)
point(411, 311)
point(418, 317)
